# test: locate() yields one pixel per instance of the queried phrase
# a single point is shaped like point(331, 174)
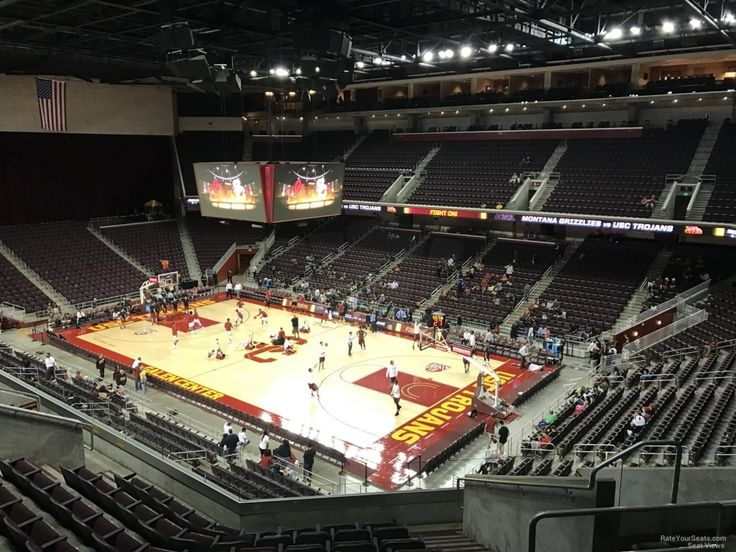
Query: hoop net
point(433, 337)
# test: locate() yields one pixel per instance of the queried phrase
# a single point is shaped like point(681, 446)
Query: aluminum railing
point(661, 334)
point(659, 309)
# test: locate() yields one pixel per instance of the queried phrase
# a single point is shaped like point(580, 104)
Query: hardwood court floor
point(354, 411)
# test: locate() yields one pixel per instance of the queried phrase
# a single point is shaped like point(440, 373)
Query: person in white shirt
point(312, 383)
point(228, 289)
point(238, 289)
point(136, 363)
point(417, 331)
point(50, 363)
point(523, 354)
point(350, 340)
point(287, 345)
point(471, 340)
point(636, 424)
point(226, 428)
point(392, 372)
point(509, 269)
point(322, 354)
point(530, 333)
point(393, 285)
point(243, 440)
point(263, 443)
point(396, 395)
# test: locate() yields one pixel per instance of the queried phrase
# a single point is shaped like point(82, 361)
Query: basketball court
point(354, 411)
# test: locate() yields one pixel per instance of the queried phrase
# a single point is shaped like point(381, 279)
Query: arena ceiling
point(117, 40)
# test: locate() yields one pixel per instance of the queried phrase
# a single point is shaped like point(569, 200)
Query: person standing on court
point(295, 326)
point(392, 372)
point(361, 338)
point(312, 383)
point(373, 320)
point(396, 395)
point(100, 364)
point(417, 331)
point(351, 338)
point(229, 330)
point(322, 353)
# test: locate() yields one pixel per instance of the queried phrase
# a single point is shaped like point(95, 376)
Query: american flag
point(52, 104)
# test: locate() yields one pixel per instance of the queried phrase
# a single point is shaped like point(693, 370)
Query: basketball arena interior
point(367, 276)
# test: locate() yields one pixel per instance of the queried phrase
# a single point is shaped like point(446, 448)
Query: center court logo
point(436, 367)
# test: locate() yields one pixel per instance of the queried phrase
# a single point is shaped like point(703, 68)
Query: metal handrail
point(594, 471)
point(532, 540)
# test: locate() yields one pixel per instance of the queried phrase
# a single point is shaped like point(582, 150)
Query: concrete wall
point(651, 486)
point(42, 438)
point(92, 108)
point(498, 516)
point(14, 399)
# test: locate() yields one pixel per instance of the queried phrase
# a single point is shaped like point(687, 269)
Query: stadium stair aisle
point(33, 277)
point(120, 251)
point(447, 539)
point(190, 253)
point(540, 287)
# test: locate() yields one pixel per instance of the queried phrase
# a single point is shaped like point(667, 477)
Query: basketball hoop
point(433, 337)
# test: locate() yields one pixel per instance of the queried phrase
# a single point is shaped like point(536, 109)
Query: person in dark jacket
point(283, 451)
point(230, 443)
point(308, 459)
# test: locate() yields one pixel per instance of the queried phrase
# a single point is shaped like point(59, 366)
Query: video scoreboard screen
point(307, 190)
point(231, 190)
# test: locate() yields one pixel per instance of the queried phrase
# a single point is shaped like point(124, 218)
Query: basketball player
point(361, 338)
point(239, 312)
point(195, 324)
point(396, 395)
point(311, 383)
point(217, 351)
point(466, 364)
point(175, 335)
point(263, 315)
point(392, 372)
point(322, 353)
point(417, 332)
point(288, 347)
point(267, 301)
point(351, 338)
point(229, 330)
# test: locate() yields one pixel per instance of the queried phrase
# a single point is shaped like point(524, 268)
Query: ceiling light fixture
point(428, 56)
point(466, 52)
point(492, 48)
point(695, 23)
point(635, 31)
point(509, 47)
point(360, 64)
point(614, 34)
point(253, 73)
point(668, 27)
